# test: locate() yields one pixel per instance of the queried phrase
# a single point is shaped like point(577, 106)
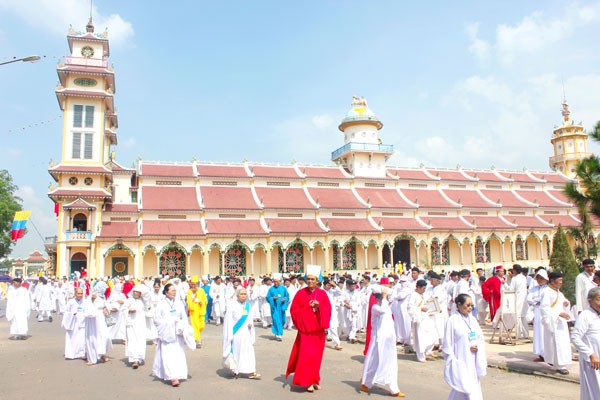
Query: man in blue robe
point(279, 299)
point(206, 288)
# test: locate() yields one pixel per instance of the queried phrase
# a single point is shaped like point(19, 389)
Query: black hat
point(434, 275)
point(464, 272)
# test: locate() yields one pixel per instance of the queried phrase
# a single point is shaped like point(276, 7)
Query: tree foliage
point(562, 260)
point(9, 204)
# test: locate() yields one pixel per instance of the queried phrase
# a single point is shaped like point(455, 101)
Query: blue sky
point(472, 83)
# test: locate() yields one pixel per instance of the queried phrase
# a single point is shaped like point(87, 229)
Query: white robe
point(153, 299)
point(97, 338)
point(583, 284)
point(241, 345)
point(534, 298)
point(265, 308)
point(219, 301)
point(518, 284)
point(439, 319)
point(464, 368)
point(45, 301)
point(402, 323)
point(18, 308)
point(173, 331)
point(423, 331)
point(135, 327)
point(586, 337)
point(381, 363)
point(119, 312)
point(74, 323)
point(557, 346)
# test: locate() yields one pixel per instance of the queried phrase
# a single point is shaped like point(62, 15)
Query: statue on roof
point(565, 110)
point(359, 102)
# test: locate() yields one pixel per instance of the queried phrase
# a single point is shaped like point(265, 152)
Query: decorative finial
point(90, 25)
point(359, 101)
point(565, 111)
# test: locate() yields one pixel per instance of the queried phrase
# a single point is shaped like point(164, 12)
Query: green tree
point(9, 204)
point(562, 260)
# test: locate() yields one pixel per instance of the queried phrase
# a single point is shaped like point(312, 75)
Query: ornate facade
point(254, 218)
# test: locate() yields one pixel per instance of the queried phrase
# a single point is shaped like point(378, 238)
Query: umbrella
point(5, 278)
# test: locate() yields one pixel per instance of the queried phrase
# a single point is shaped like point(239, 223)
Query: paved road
point(36, 367)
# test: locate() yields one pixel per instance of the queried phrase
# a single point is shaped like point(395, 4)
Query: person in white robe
point(423, 333)
point(436, 291)
point(18, 309)
point(554, 310)
point(351, 307)
point(402, 323)
point(153, 298)
point(219, 300)
point(97, 338)
point(44, 300)
point(289, 324)
point(335, 298)
point(263, 304)
point(74, 324)
point(464, 352)
point(174, 333)
point(586, 338)
point(381, 363)
point(253, 290)
point(534, 299)
point(135, 346)
point(116, 306)
point(583, 284)
point(239, 336)
point(518, 284)
point(60, 294)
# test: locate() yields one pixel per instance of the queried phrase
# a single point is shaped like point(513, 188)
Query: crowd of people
point(426, 313)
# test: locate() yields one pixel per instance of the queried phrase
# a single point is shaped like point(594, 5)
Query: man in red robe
point(311, 314)
point(491, 290)
point(128, 285)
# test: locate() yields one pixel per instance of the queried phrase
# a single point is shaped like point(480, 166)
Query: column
point(188, 262)
point(137, 270)
point(327, 264)
point(462, 261)
point(503, 252)
point(251, 263)
point(513, 247)
point(392, 256)
point(89, 263)
point(379, 250)
point(269, 261)
point(428, 250)
point(366, 251)
point(157, 264)
point(222, 255)
point(541, 249)
point(312, 256)
point(340, 259)
point(205, 263)
point(285, 266)
point(473, 251)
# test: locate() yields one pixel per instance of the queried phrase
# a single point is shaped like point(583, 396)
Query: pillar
point(269, 261)
point(327, 264)
point(379, 250)
point(366, 250)
point(252, 262)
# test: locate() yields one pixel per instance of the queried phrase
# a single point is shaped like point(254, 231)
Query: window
point(79, 118)
point(73, 180)
point(87, 145)
point(88, 181)
point(134, 197)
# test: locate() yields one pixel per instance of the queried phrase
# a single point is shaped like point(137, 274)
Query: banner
point(17, 229)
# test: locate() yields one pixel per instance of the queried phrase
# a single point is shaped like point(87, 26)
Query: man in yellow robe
point(196, 304)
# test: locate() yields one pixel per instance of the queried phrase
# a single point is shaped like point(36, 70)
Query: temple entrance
point(78, 262)
point(402, 251)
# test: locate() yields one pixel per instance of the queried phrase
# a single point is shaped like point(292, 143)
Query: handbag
point(110, 319)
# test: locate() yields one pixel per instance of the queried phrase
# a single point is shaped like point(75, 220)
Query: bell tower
point(569, 141)
point(362, 154)
point(83, 177)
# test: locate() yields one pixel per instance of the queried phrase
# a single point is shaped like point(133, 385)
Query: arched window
point(80, 222)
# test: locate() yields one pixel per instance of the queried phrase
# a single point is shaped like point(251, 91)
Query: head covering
point(384, 281)
point(140, 287)
point(543, 273)
point(277, 276)
point(588, 261)
point(434, 275)
point(403, 278)
point(204, 277)
point(313, 270)
point(194, 279)
point(375, 289)
point(498, 268)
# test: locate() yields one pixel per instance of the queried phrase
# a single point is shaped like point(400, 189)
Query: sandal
point(254, 375)
point(310, 389)
point(175, 382)
point(399, 394)
point(364, 388)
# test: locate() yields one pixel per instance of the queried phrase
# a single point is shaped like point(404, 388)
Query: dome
point(360, 113)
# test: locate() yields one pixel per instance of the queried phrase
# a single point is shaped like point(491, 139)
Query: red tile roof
point(121, 208)
point(79, 192)
point(79, 169)
point(448, 175)
point(169, 198)
point(429, 198)
point(274, 171)
point(505, 197)
point(322, 172)
point(564, 220)
point(171, 228)
point(539, 197)
point(383, 198)
point(36, 256)
point(559, 195)
point(445, 222)
point(283, 198)
point(170, 170)
point(399, 224)
point(411, 174)
point(294, 225)
point(228, 198)
point(486, 176)
point(224, 171)
point(525, 222)
point(348, 225)
point(551, 177)
point(486, 222)
point(518, 176)
point(335, 198)
point(79, 204)
point(468, 198)
point(119, 229)
point(227, 226)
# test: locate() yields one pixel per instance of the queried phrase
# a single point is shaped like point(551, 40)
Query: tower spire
point(90, 25)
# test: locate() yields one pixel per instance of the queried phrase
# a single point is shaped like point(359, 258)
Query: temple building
point(353, 214)
point(32, 265)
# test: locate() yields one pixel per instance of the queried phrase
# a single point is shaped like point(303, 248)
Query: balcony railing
point(79, 235)
point(88, 62)
point(568, 156)
point(372, 147)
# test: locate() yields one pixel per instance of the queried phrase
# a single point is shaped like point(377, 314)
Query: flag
point(17, 229)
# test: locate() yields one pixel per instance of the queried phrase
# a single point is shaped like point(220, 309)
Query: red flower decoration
point(163, 272)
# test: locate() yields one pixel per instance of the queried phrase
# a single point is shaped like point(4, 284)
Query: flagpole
point(38, 232)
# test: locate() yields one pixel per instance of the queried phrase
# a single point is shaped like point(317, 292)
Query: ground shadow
point(359, 357)
point(268, 337)
point(353, 384)
point(225, 373)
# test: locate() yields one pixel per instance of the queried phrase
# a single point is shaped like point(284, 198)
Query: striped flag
point(17, 229)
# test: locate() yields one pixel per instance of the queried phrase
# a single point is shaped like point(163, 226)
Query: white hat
point(277, 276)
point(314, 270)
point(403, 278)
point(543, 273)
point(204, 277)
point(376, 289)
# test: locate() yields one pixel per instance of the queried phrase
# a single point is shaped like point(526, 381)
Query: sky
point(469, 83)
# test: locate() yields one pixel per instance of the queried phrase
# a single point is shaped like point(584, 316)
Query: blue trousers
point(278, 321)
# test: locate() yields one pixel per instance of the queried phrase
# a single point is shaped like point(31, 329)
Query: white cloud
point(128, 144)
point(479, 47)
point(56, 16)
point(324, 121)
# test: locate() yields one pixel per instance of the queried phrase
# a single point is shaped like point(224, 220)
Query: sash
point(555, 301)
point(242, 320)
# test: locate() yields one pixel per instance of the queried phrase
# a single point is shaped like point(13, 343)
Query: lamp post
point(24, 59)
